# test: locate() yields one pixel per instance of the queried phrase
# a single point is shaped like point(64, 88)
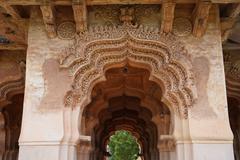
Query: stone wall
point(46, 131)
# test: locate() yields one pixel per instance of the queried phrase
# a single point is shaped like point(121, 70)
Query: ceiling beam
point(10, 10)
point(99, 2)
point(167, 10)
point(80, 15)
point(103, 2)
point(230, 46)
point(226, 27)
point(48, 13)
point(200, 17)
point(13, 30)
point(224, 1)
point(91, 2)
point(233, 11)
point(13, 46)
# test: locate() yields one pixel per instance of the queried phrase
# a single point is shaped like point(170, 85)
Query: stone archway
point(127, 100)
point(10, 126)
point(101, 48)
point(234, 118)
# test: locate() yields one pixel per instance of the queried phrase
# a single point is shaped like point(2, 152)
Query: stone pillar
point(43, 131)
point(206, 134)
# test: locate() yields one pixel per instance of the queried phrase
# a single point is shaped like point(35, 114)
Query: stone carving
point(232, 66)
point(146, 10)
point(232, 70)
point(12, 87)
point(49, 20)
point(127, 15)
point(111, 15)
point(182, 27)
point(104, 46)
point(103, 15)
point(66, 30)
point(235, 69)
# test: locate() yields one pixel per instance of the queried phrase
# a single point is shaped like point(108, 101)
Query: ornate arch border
point(101, 47)
point(12, 87)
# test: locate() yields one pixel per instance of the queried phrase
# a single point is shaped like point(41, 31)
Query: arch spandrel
point(162, 54)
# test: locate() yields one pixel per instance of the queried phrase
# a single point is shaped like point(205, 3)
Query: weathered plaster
point(44, 118)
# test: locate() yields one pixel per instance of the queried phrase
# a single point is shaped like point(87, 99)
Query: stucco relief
point(13, 83)
point(103, 46)
point(66, 30)
point(182, 27)
point(108, 15)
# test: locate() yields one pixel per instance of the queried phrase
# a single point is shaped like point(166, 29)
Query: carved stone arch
point(93, 52)
point(12, 87)
point(150, 103)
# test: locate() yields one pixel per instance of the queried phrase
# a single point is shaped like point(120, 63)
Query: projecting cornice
point(105, 2)
point(13, 25)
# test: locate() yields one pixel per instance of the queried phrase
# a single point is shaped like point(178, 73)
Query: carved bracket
point(48, 13)
point(168, 8)
point(200, 17)
point(80, 15)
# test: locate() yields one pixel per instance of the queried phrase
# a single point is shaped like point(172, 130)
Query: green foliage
point(123, 146)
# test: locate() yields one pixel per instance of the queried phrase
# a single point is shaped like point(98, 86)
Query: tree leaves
point(123, 146)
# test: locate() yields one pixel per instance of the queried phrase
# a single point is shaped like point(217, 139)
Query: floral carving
point(182, 27)
point(66, 30)
point(104, 46)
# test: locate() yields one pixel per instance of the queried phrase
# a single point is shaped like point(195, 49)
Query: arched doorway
point(167, 66)
point(127, 100)
point(10, 123)
point(234, 118)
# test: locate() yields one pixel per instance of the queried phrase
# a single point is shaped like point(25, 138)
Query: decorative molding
point(66, 30)
point(92, 51)
point(182, 27)
point(12, 87)
point(127, 15)
point(109, 15)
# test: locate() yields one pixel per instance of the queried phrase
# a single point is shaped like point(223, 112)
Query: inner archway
point(10, 126)
point(127, 100)
point(234, 118)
